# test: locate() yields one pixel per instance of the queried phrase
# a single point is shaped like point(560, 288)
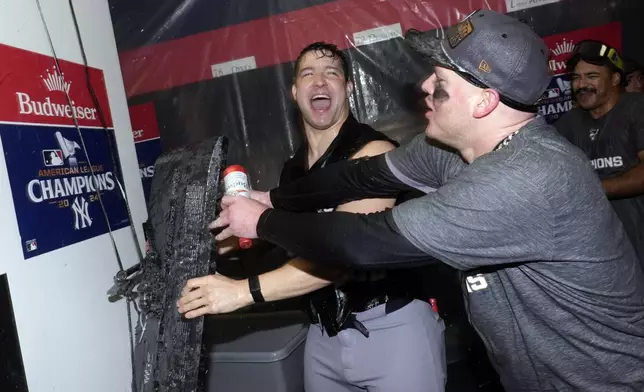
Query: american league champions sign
point(59, 174)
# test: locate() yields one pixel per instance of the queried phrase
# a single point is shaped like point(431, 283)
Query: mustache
point(585, 90)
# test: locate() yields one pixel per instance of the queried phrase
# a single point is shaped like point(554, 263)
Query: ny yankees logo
point(81, 213)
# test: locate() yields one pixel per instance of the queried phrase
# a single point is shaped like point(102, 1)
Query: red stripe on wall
point(279, 39)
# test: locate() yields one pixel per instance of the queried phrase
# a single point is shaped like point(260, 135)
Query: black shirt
point(360, 286)
point(612, 144)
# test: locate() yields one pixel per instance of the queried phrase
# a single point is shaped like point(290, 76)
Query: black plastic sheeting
point(254, 109)
point(144, 22)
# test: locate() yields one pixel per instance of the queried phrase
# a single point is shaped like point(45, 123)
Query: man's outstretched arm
point(360, 240)
point(416, 165)
point(338, 183)
point(467, 224)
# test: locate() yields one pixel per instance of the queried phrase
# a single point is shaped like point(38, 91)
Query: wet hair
point(324, 50)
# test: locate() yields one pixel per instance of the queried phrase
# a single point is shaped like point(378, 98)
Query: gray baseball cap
point(491, 50)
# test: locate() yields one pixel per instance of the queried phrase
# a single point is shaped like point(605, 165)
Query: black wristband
point(255, 289)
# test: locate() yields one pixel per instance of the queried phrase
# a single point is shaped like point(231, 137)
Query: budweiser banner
point(59, 174)
point(557, 100)
point(145, 130)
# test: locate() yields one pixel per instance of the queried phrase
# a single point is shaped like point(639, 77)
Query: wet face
point(635, 82)
point(593, 85)
point(450, 100)
point(321, 90)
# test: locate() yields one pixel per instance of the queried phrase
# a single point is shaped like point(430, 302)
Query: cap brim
point(594, 60)
point(428, 46)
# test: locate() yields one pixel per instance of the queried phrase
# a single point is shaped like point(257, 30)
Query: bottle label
point(236, 184)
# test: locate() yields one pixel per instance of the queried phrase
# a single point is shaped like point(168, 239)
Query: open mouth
point(429, 109)
point(321, 102)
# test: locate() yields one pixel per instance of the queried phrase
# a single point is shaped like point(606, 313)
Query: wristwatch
point(255, 289)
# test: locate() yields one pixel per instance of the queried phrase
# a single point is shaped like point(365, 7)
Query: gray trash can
point(256, 352)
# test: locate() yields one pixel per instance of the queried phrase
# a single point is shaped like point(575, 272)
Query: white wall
point(72, 338)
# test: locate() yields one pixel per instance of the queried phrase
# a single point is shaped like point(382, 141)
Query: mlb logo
point(552, 93)
point(53, 157)
point(31, 245)
point(564, 86)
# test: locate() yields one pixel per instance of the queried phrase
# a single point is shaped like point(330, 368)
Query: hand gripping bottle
point(236, 184)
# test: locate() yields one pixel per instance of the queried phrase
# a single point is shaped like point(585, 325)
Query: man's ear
point(616, 79)
point(488, 101)
point(294, 92)
point(349, 87)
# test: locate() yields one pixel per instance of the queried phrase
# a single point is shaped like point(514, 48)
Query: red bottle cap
point(245, 243)
point(434, 304)
point(234, 168)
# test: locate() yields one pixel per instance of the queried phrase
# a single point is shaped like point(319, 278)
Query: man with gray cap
point(551, 281)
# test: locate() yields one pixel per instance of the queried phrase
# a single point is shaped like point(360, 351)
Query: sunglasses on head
point(598, 52)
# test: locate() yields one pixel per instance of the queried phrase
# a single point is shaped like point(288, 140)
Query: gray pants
point(405, 351)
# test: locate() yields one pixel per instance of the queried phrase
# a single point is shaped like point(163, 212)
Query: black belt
point(391, 305)
point(362, 306)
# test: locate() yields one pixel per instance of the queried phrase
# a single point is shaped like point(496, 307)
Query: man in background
point(369, 334)
point(608, 125)
point(634, 73)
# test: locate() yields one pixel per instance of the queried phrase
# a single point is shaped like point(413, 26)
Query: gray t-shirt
point(551, 283)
